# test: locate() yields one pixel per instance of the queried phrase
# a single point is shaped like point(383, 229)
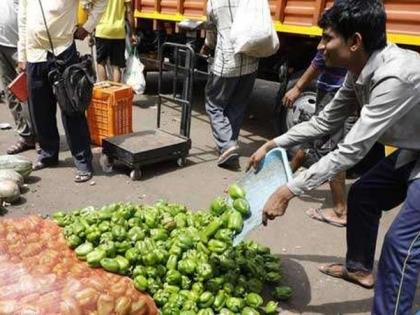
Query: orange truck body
point(297, 17)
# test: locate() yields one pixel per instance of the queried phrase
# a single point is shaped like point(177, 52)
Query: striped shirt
point(331, 78)
point(220, 14)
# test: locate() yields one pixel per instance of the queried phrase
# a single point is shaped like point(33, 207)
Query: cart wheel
point(106, 163)
point(135, 174)
point(181, 161)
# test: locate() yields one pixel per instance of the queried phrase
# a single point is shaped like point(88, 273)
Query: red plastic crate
point(111, 111)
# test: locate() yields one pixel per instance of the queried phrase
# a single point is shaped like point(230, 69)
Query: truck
point(295, 22)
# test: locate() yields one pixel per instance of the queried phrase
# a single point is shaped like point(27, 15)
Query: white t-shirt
point(9, 23)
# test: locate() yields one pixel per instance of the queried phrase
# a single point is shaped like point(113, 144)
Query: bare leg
point(338, 213)
point(116, 73)
point(297, 160)
point(101, 72)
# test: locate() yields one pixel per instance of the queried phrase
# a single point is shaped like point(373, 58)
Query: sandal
point(316, 214)
point(82, 176)
point(361, 278)
point(20, 147)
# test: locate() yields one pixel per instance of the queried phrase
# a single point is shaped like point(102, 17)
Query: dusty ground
point(303, 243)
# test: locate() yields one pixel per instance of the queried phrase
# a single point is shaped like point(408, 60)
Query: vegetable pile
point(184, 260)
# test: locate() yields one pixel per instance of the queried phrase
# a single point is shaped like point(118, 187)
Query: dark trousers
point(383, 188)
point(226, 101)
point(43, 106)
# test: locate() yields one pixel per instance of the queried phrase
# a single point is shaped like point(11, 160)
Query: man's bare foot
point(328, 215)
point(363, 278)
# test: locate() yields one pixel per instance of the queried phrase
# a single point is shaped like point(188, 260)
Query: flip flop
point(353, 277)
point(82, 176)
point(317, 211)
point(20, 147)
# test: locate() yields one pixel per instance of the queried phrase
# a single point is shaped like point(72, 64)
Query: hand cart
point(147, 147)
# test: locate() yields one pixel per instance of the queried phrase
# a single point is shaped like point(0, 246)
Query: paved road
point(302, 243)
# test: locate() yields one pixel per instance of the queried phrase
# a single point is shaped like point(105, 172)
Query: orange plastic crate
point(111, 111)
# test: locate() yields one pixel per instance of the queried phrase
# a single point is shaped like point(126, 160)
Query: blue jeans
point(383, 188)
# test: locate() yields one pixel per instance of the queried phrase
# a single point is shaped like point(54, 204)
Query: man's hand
point(205, 50)
point(133, 40)
point(21, 67)
point(257, 157)
point(80, 33)
point(291, 96)
point(277, 204)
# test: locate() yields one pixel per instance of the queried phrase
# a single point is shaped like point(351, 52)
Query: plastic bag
point(133, 74)
point(259, 38)
point(39, 274)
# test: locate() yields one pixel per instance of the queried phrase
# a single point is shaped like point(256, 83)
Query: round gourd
point(12, 175)
point(9, 191)
point(19, 163)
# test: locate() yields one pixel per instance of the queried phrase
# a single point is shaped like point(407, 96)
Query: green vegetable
point(254, 300)
point(132, 255)
point(159, 234)
point(271, 307)
point(172, 262)
point(225, 311)
point(73, 241)
point(242, 206)
point(210, 230)
point(173, 277)
point(220, 300)
point(94, 257)
point(218, 206)
point(205, 311)
point(136, 234)
point(249, 311)
point(217, 246)
point(235, 221)
point(236, 192)
point(273, 277)
point(83, 250)
point(282, 293)
point(204, 271)
point(206, 299)
point(187, 266)
point(123, 263)
point(119, 233)
point(224, 235)
point(161, 297)
point(110, 264)
point(141, 283)
point(235, 304)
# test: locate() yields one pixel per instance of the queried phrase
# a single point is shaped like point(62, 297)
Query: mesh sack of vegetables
point(39, 274)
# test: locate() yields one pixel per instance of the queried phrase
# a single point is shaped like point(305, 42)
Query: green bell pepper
point(249, 311)
point(94, 257)
point(150, 259)
point(253, 300)
point(187, 266)
point(218, 206)
point(273, 277)
point(185, 282)
point(206, 299)
point(198, 287)
point(235, 304)
point(139, 271)
point(104, 226)
point(242, 206)
point(254, 285)
point(141, 283)
point(119, 233)
point(228, 287)
point(271, 307)
point(172, 262)
point(106, 237)
point(158, 234)
point(236, 192)
point(123, 263)
point(224, 235)
point(204, 271)
point(84, 249)
point(173, 277)
point(225, 311)
point(220, 300)
point(73, 241)
point(235, 221)
point(132, 255)
point(217, 246)
point(136, 234)
point(110, 264)
point(205, 311)
point(210, 230)
point(161, 297)
point(282, 293)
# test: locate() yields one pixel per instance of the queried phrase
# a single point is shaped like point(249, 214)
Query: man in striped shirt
point(230, 83)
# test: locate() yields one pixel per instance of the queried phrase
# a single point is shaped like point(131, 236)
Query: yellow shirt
point(112, 23)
